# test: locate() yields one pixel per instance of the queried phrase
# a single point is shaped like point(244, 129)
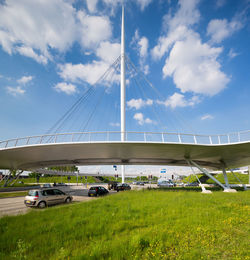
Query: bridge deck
point(132, 153)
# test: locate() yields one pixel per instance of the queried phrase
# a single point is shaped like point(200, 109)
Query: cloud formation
point(35, 28)
point(206, 117)
point(24, 80)
point(106, 53)
point(139, 117)
point(15, 91)
point(178, 100)
point(139, 103)
point(193, 65)
point(66, 88)
point(141, 45)
point(32, 28)
point(220, 29)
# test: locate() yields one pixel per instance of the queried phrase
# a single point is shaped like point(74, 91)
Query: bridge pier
point(123, 173)
point(226, 188)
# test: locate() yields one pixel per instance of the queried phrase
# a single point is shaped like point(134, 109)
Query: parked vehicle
point(122, 186)
point(47, 185)
point(165, 184)
point(97, 191)
point(44, 197)
point(192, 184)
point(112, 185)
point(140, 183)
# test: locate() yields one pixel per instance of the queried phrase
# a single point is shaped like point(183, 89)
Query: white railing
point(113, 136)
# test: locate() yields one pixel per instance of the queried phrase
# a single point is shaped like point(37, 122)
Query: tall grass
point(57, 179)
point(134, 225)
point(244, 178)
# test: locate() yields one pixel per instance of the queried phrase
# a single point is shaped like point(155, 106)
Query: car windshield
point(33, 193)
point(93, 188)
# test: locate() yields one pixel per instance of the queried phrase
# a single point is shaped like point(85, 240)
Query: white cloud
point(15, 91)
point(192, 64)
point(143, 3)
point(143, 44)
point(93, 29)
point(220, 29)
point(29, 52)
point(85, 72)
point(139, 117)
point(206, 117)
point(24, 80)
point(139, 103)
point(232, 54)
point(194, 67)
point(91, 72)
point(178, 100)
point(91, 4)
point(187, 15)
point(34, 27)
point(177, 26)
point(68, 89)
point(108, 51)
point(166, 42)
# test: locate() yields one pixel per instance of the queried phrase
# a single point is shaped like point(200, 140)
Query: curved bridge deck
point(104, 148)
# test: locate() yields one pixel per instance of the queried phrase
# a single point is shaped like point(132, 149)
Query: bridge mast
point(123, 90)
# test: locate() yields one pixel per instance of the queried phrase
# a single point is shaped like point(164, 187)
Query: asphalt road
point(15, 206)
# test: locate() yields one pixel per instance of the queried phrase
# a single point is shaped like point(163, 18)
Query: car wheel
point(42, 205)
point(68, 200)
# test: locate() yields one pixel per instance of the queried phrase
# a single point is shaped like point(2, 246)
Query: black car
point(97, 191)
point(122, 186)
point(112, 185)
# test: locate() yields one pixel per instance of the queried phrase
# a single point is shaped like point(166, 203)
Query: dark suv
point(122, 186)
point(97, 191)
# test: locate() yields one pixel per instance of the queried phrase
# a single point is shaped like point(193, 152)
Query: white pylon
point(123, 90)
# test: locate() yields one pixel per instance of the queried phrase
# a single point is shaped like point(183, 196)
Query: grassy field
point(13, 194)
point(58, 179)
point(147, 224)
point(244, 178)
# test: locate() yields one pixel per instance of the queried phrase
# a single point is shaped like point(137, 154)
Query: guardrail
point(114, 136)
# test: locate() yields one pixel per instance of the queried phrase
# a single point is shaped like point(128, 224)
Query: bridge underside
point(126, 153)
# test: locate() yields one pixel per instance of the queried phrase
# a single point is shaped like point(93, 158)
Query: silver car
point(44, 197)
point(165, 184)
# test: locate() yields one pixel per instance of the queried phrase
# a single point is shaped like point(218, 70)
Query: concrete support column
point(225, 178)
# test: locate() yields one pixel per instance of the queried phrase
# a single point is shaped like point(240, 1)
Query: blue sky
point(195, 53)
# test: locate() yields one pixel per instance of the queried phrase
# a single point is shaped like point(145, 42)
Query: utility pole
point(123, 90)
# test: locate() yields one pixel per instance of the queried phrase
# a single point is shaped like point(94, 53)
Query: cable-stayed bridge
point(123, 147)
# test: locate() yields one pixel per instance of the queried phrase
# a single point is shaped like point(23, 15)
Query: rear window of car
point(33, 193)
point(93, 188)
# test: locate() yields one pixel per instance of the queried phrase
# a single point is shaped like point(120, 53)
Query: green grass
point(13, 194)
point(147, 224)
point(244, 178)
point(58, 179)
